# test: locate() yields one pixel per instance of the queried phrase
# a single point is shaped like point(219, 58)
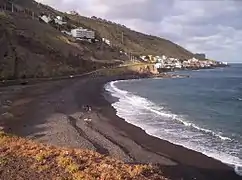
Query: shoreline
point(153, 135)
point(168, 148)
point(61, 122)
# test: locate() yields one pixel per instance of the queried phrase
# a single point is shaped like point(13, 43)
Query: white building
point(106, 41)
point(72, 12)
point(159, 65)
point(164, 57)
point(83, 33)
point(160, 60)
point(45, 18)
point(178, 65)
point(59, 20)
point(193, 60)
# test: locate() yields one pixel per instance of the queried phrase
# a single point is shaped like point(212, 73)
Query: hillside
point(30, 48)
point(33, 49)
point(133, 42)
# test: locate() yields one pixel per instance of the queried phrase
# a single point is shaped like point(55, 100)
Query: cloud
point(209, 26)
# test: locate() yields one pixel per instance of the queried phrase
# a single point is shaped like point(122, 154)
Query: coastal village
point(169, 63)
point(161, 62)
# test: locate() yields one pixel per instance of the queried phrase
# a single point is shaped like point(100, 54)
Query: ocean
point(202, 113)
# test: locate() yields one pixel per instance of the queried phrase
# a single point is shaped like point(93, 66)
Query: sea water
point(202, 113)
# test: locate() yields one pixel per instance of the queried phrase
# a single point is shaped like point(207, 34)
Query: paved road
point(5, 83)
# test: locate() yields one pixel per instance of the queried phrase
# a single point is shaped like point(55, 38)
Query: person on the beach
point(89, 109)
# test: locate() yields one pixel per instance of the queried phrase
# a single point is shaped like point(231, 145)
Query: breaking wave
point(152, 107)
point(159, 122)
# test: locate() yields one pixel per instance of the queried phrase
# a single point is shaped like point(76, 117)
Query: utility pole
point(16, 63)
point(122, 37)
point(15, 73)
point(12, 8)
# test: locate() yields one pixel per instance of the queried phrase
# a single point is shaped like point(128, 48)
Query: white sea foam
point(238, 170)
point(147, 115)
point(150, 106)
point(204, 130)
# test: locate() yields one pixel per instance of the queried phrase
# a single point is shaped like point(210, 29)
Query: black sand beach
point(52, 112)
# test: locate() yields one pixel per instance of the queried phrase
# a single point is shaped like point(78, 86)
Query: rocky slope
point(30, 48)
point(131, 41)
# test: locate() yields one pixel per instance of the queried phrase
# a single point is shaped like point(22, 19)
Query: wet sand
point(53, 113)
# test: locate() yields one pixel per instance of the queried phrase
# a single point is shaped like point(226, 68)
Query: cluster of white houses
point(78, 33)
point(82, 33)
point(163, 62)
point(57, 19)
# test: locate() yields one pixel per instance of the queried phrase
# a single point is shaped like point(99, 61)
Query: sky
point(213, 27)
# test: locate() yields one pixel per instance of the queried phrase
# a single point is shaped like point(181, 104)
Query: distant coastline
point(174, 153)
point(142, 101)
